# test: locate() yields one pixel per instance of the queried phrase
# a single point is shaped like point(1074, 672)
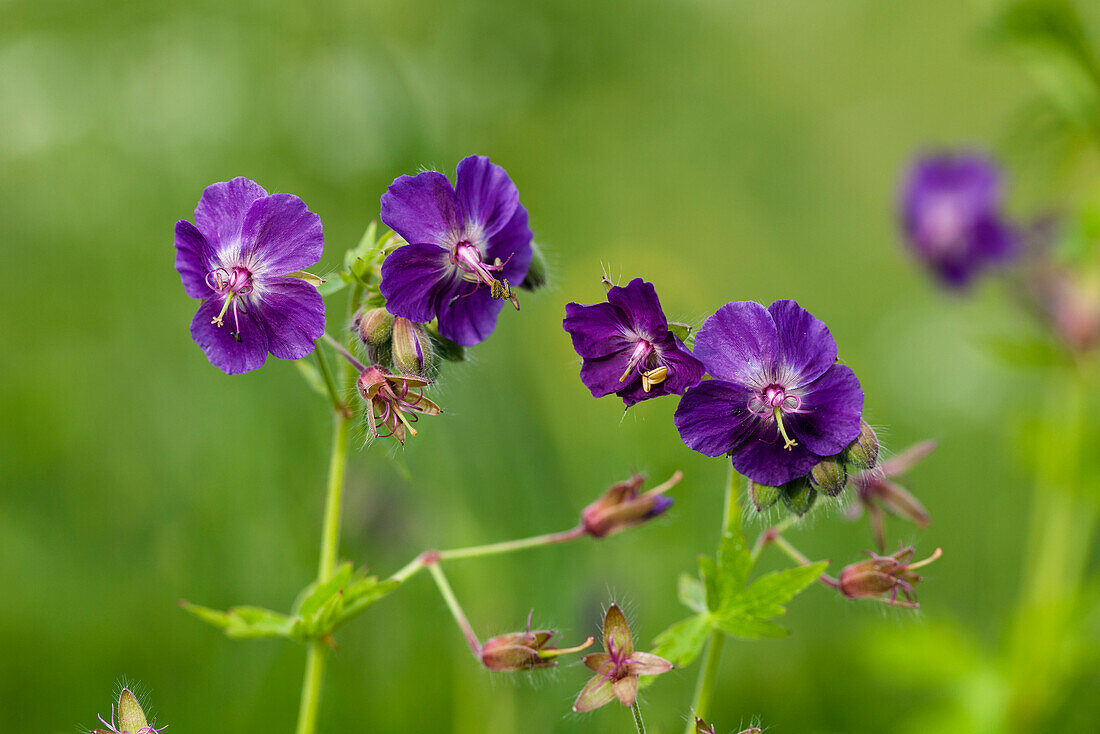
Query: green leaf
point(681, 331)
point(734, 565)
point(243, 622)
point(682, 642)
point(749, 628)
point(692, 593)
point(767, 595)
point(708, 573)
point(317, 595)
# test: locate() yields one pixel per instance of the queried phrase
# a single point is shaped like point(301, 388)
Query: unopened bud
point(799, 495)
point(763, 496)
point(374, 326)
point(537, 272)
point(829, 475)
point(523, 650)
point(883, 578)
point(863, 452)
point(412, 349)
point(622, 507)
point(131, 719)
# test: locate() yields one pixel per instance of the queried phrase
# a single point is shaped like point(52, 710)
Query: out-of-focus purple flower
point(951, 213)
point(627, 347)
point(236, 257)
point(883, 578)
point(876, 491)
point(393, 402)
point(617, 670)
point(526, 650)
point(780, 402)
point(467, 245)
point(622, 506)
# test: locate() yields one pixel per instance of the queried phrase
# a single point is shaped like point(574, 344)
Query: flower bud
point(829, 475)
point(537, 272)
point(863, 452)
point(762, 495)
point(622, 507)
point(884, 577)
point(131, 719)
point(523, 650)
point(374, 326)
point(412, 349)
point(799, 495)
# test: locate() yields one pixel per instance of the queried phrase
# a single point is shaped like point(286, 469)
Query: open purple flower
point(236, 257)
point(951, 212)
point(779, 403)
point(627, 348)
point(467, 245)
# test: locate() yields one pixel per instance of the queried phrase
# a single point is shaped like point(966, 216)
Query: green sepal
point(313, 279)
point(130, 716)
point(799, 496)
point(762, 496)
point(679, 330)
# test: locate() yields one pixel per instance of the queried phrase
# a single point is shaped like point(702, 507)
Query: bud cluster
point(394, 342)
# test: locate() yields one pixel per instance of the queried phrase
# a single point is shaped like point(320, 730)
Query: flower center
point(639, 359)
point(231, 284)
point(468, 259)
point(772, 403)
point(944, 223)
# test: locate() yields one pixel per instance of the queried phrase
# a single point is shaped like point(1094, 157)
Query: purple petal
point(417, 280)
point(601, 375)
point(596, 330)
point(512, 244)
point(713, 417)
point(907, 459)
point(597, 692)
point(806, 348)
point(281, 235)
point(738, 343)
point(762, 458)
point(222, 209)
point(486, 194)
point(193, 256)
point(217, 342)
point(833, 405)
point(468, 318)
point(684, 370)
point(640, 309)
point(626, 689)
point(423, 209)
point(292, 313)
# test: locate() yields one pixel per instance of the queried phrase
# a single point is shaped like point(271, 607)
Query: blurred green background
point(724, 150)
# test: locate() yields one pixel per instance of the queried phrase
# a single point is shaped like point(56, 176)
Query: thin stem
point(637, 711)
point(797, 556)
point(330, 384)
point(310, 702)
point(456, 610)
point(343, 351)
point(731, 517)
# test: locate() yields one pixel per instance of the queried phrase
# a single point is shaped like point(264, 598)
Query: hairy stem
point(638, 723)
point(330, 383)
point(456, 609)
point(798, 557)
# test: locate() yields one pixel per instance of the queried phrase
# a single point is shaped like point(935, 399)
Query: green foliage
point(320, 610)
point(361, 263)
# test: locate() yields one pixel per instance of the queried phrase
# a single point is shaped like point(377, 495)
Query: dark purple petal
point(217, 342)
point(468, 318)
point(713, 417)
point(486, 194)
point(762, 458)
point(512, 244)
point(684, 370)
point(193, 256)
point(806, 348)
point(833, 405)
point(222, 209)
point(292, 314)
point(738, 343)
point(596, 330)
point(423, 209)
point(640, 309)
point(601, 375)
point(280, 236)
point(417, 280)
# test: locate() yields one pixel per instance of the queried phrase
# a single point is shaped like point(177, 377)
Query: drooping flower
point(627, 348)
point(951, 213)
point(467, 246)
point(393, 402)
point(780, 403)
point(131, 719)
point(617, 670)
point(622, 506)
point(237, 257)
point(526, 650)
point(883, 578)
point(877, 491)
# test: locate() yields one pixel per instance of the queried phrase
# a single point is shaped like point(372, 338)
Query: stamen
point(641, 351)
point(225, 307)
point(788, 442)
point(653, 377)
point(403, 419)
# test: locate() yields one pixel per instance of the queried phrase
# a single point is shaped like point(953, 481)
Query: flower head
point(951, 213)
point(523, 650)
point(236, 257)
point(131, 719)
point(622, 506)
point(627, 347)
point(876, 491)
point(779, 403)
point(617, 670)
point(467, 245)
point(883, 578)
point(393, 402)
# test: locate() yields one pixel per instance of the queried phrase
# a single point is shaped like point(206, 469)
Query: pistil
point(641, 350)
point(788, 442)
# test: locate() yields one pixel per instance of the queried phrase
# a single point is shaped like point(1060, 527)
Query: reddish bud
point(523, 650)
point(622, 507)
point(883, 578)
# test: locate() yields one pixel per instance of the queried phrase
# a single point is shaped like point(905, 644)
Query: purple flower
point(618, 668)
point(779, 403)
point(951, 212)
point(627, 348)
point(236, 258)
point(467, 245)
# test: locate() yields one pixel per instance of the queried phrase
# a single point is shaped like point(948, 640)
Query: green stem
point(330, 383)
point(638, 723)
point(731, 517)
point(456, 610)
point(800, 558)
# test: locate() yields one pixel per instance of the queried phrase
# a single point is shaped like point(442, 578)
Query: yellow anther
point(788, 442)
point(653, 377)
